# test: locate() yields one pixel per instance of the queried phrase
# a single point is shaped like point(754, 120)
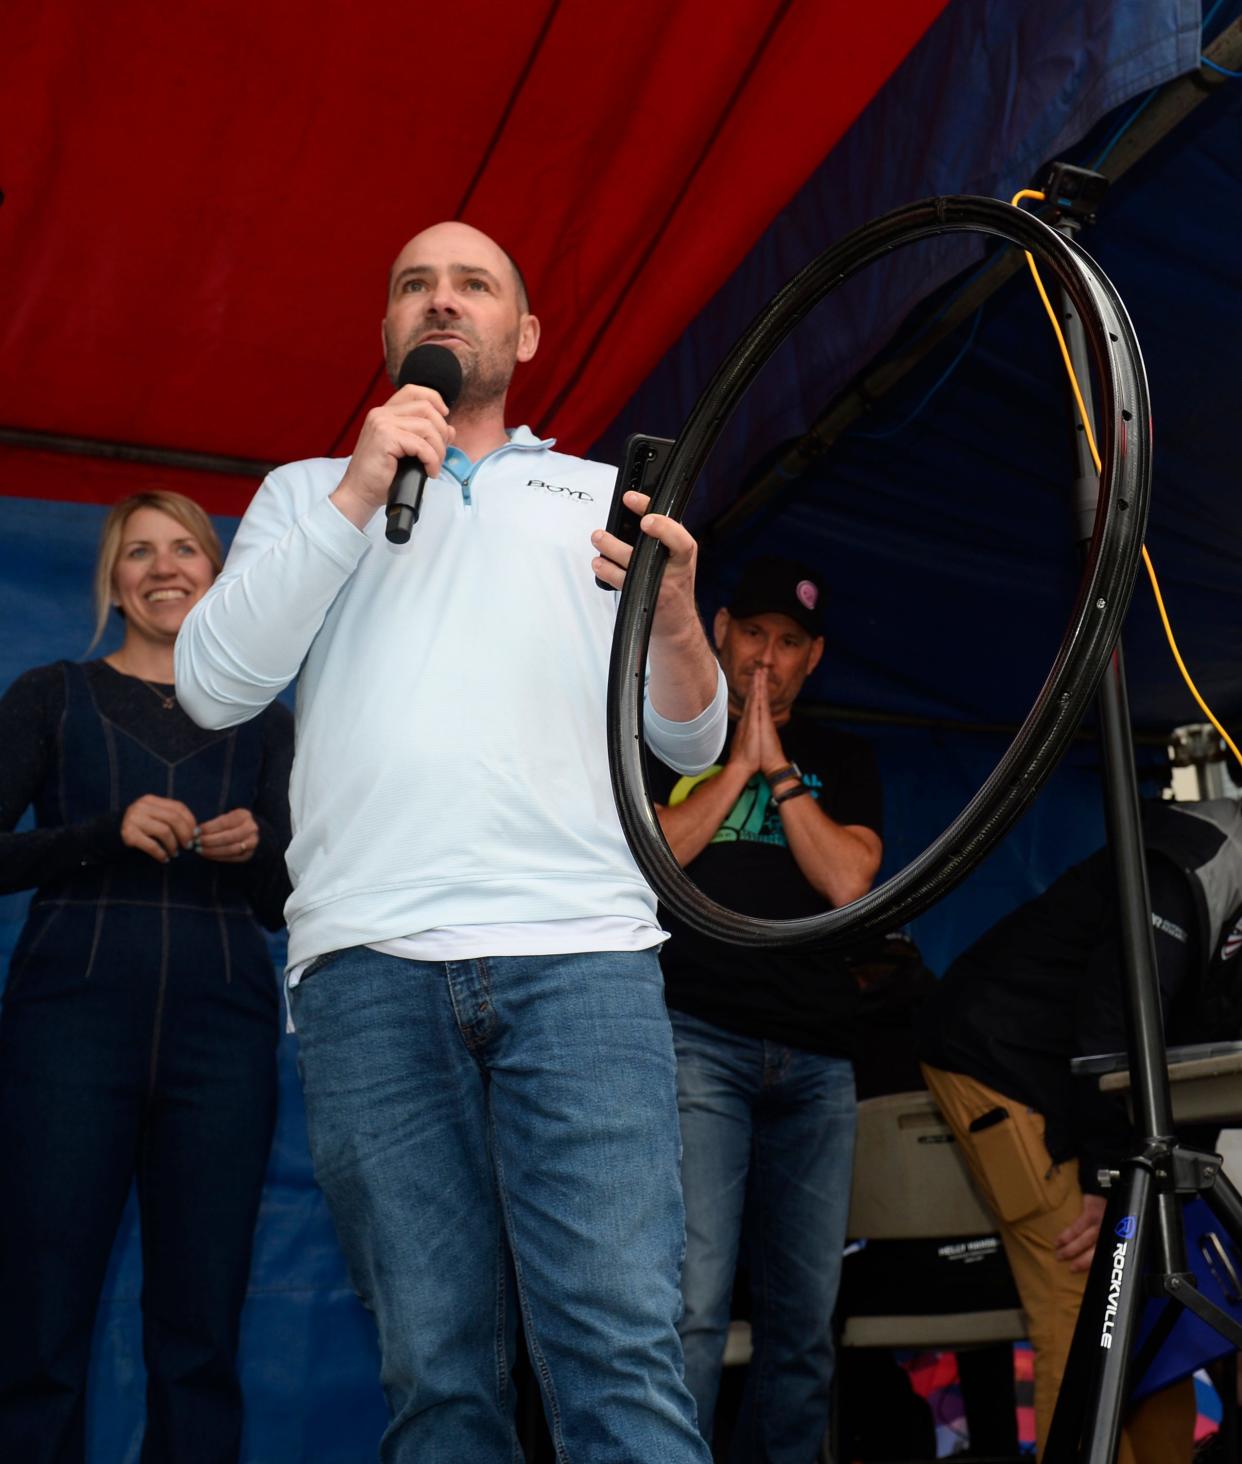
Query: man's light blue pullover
point(451, 763)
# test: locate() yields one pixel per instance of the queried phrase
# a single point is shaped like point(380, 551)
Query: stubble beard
point(485, 374)
point(484, 383)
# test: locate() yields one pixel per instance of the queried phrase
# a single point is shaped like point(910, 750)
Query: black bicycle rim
point(1103, 596)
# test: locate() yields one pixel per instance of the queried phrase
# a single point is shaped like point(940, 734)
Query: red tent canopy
point(201, 203)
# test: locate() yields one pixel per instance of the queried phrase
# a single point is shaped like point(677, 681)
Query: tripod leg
point(1226, 1375)
point(1087, 1423)
point(1225, 1203)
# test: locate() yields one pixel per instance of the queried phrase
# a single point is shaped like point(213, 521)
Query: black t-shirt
point(801, 997)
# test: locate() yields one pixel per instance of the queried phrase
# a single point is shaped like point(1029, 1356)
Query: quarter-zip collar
point(463, 469)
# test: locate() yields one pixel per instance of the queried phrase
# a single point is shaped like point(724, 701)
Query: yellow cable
point(1177, 656)
point(1099, 468)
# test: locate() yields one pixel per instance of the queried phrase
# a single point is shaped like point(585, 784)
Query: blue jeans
point(768, 1137)
point(503, 1132)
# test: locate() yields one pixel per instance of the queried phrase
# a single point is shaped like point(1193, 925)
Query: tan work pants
point(1033, 1201)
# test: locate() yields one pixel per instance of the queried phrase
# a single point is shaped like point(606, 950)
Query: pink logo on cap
point(807, 593)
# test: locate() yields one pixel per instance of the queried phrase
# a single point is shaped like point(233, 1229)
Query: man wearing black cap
point(788, 825)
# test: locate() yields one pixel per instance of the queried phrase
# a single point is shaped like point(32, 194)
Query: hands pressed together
point(756, 742)
point(162, 827)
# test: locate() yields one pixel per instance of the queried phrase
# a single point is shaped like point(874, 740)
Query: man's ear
point(817, 654)
point(720, 627)
point(528, 337)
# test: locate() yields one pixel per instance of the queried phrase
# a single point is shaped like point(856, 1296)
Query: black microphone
point(435, 367)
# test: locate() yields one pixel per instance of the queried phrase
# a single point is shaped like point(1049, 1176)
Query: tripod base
point(1143, 1223)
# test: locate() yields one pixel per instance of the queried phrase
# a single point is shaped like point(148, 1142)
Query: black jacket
point(1044, 985)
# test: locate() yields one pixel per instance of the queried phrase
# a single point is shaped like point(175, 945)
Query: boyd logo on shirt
point(1232, 944)
point(576, 493)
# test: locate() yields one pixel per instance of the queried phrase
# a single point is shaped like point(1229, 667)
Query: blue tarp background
point(947, 543)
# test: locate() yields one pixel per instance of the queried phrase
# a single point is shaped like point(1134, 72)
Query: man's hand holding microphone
point(402, 443)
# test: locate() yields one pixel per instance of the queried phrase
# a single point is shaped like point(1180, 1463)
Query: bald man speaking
point(486, 1057)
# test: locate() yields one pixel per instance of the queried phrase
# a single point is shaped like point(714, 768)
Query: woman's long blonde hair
point(177, 506)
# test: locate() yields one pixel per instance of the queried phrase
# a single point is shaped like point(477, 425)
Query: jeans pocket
point(315, 965)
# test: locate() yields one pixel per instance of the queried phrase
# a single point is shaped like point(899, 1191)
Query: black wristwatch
point(796, 791)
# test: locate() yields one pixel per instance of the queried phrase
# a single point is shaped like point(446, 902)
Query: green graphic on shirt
point(754, 818)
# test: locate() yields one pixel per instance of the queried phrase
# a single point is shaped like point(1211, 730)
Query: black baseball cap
point(772, 586)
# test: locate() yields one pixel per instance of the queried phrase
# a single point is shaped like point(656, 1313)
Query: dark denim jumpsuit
point(137, 1042)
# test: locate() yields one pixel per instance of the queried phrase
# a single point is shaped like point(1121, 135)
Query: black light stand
point(1141, 1251)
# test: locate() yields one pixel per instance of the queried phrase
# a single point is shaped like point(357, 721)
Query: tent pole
point(1178, 99)
point(134, 452)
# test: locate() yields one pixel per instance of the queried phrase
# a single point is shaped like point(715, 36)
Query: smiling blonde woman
point(139, 1027)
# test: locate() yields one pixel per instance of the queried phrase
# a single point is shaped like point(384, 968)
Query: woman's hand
point(230, 839)
point(159, 827)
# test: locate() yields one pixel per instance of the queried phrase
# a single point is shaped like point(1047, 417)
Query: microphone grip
point(405, 500)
